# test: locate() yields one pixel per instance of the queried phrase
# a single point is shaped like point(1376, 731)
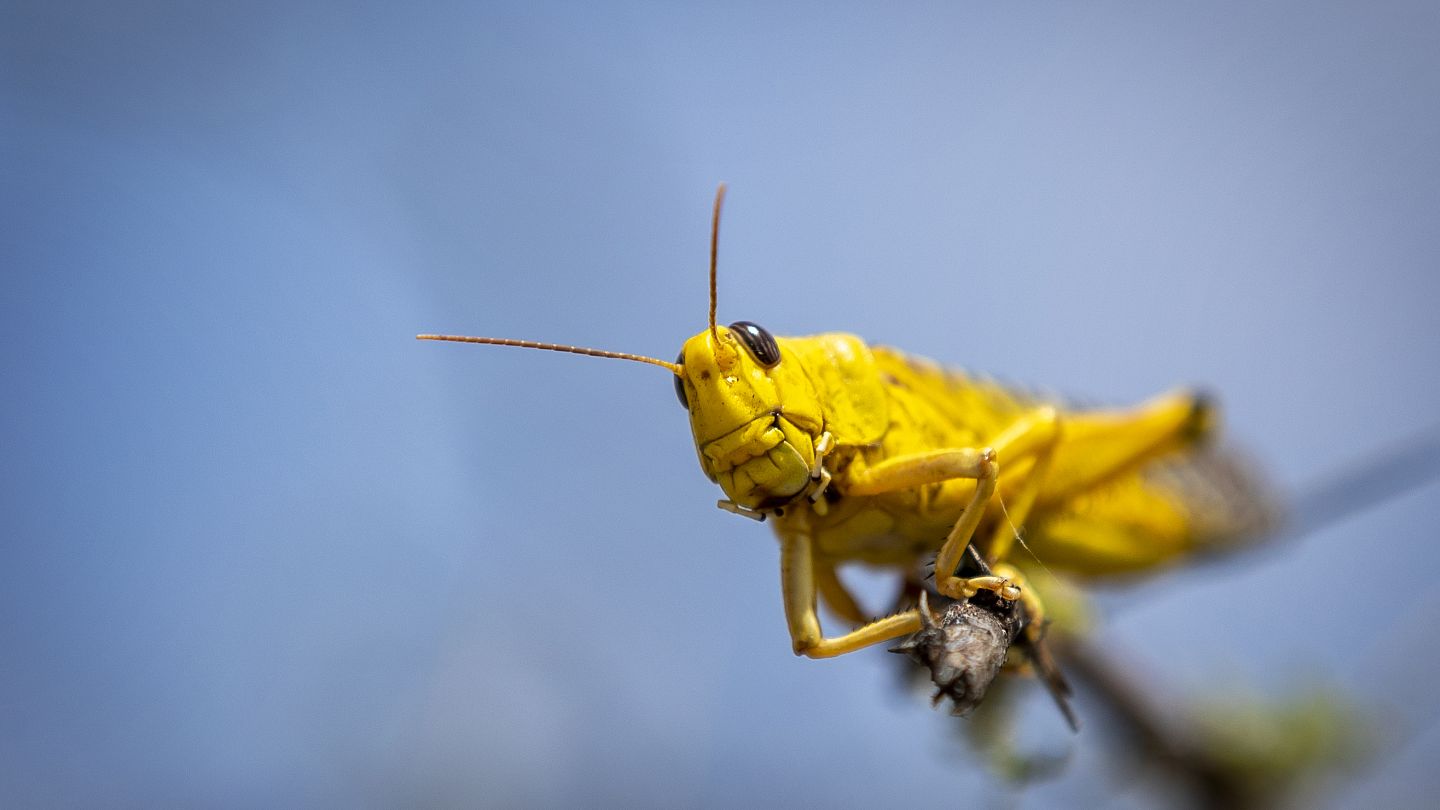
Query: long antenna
point(674, 368)
point(714, 250)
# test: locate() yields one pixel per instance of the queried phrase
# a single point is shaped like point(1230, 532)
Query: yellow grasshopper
point(866, 454)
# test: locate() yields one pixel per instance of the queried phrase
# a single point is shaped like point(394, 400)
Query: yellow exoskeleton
point(861, 453)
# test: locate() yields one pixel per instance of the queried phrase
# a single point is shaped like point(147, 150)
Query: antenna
point(714, 250)
point(674, 368)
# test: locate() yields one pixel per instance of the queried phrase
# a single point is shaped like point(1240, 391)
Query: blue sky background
point(260, 547)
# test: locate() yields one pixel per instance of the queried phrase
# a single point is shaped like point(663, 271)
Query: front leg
point(1033, 437)
point(797, 582)
point(933, 467)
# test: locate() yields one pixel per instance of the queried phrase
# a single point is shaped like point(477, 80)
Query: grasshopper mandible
point(866, 454)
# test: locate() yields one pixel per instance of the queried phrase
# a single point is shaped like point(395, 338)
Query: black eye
point(758, 341)
point(680, 384)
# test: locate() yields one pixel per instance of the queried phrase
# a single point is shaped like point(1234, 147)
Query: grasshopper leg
point(929, 468)
point(837, 597)
point(1032, 438)
point(797, 579)
point(1036, 435)
point(1099, 445)
point(798, 574)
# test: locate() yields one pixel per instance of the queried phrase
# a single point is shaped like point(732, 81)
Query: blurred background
point(261, 547)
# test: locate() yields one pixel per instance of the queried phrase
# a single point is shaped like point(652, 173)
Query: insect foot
point(1003, 587)
point(964, 649)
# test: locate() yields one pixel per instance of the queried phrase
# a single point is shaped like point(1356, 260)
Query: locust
point(867, 454)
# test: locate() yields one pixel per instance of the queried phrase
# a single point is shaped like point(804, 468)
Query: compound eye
point(680, 384)
point(760, 343)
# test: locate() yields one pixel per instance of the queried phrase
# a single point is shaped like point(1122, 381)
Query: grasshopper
point(859, 453)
